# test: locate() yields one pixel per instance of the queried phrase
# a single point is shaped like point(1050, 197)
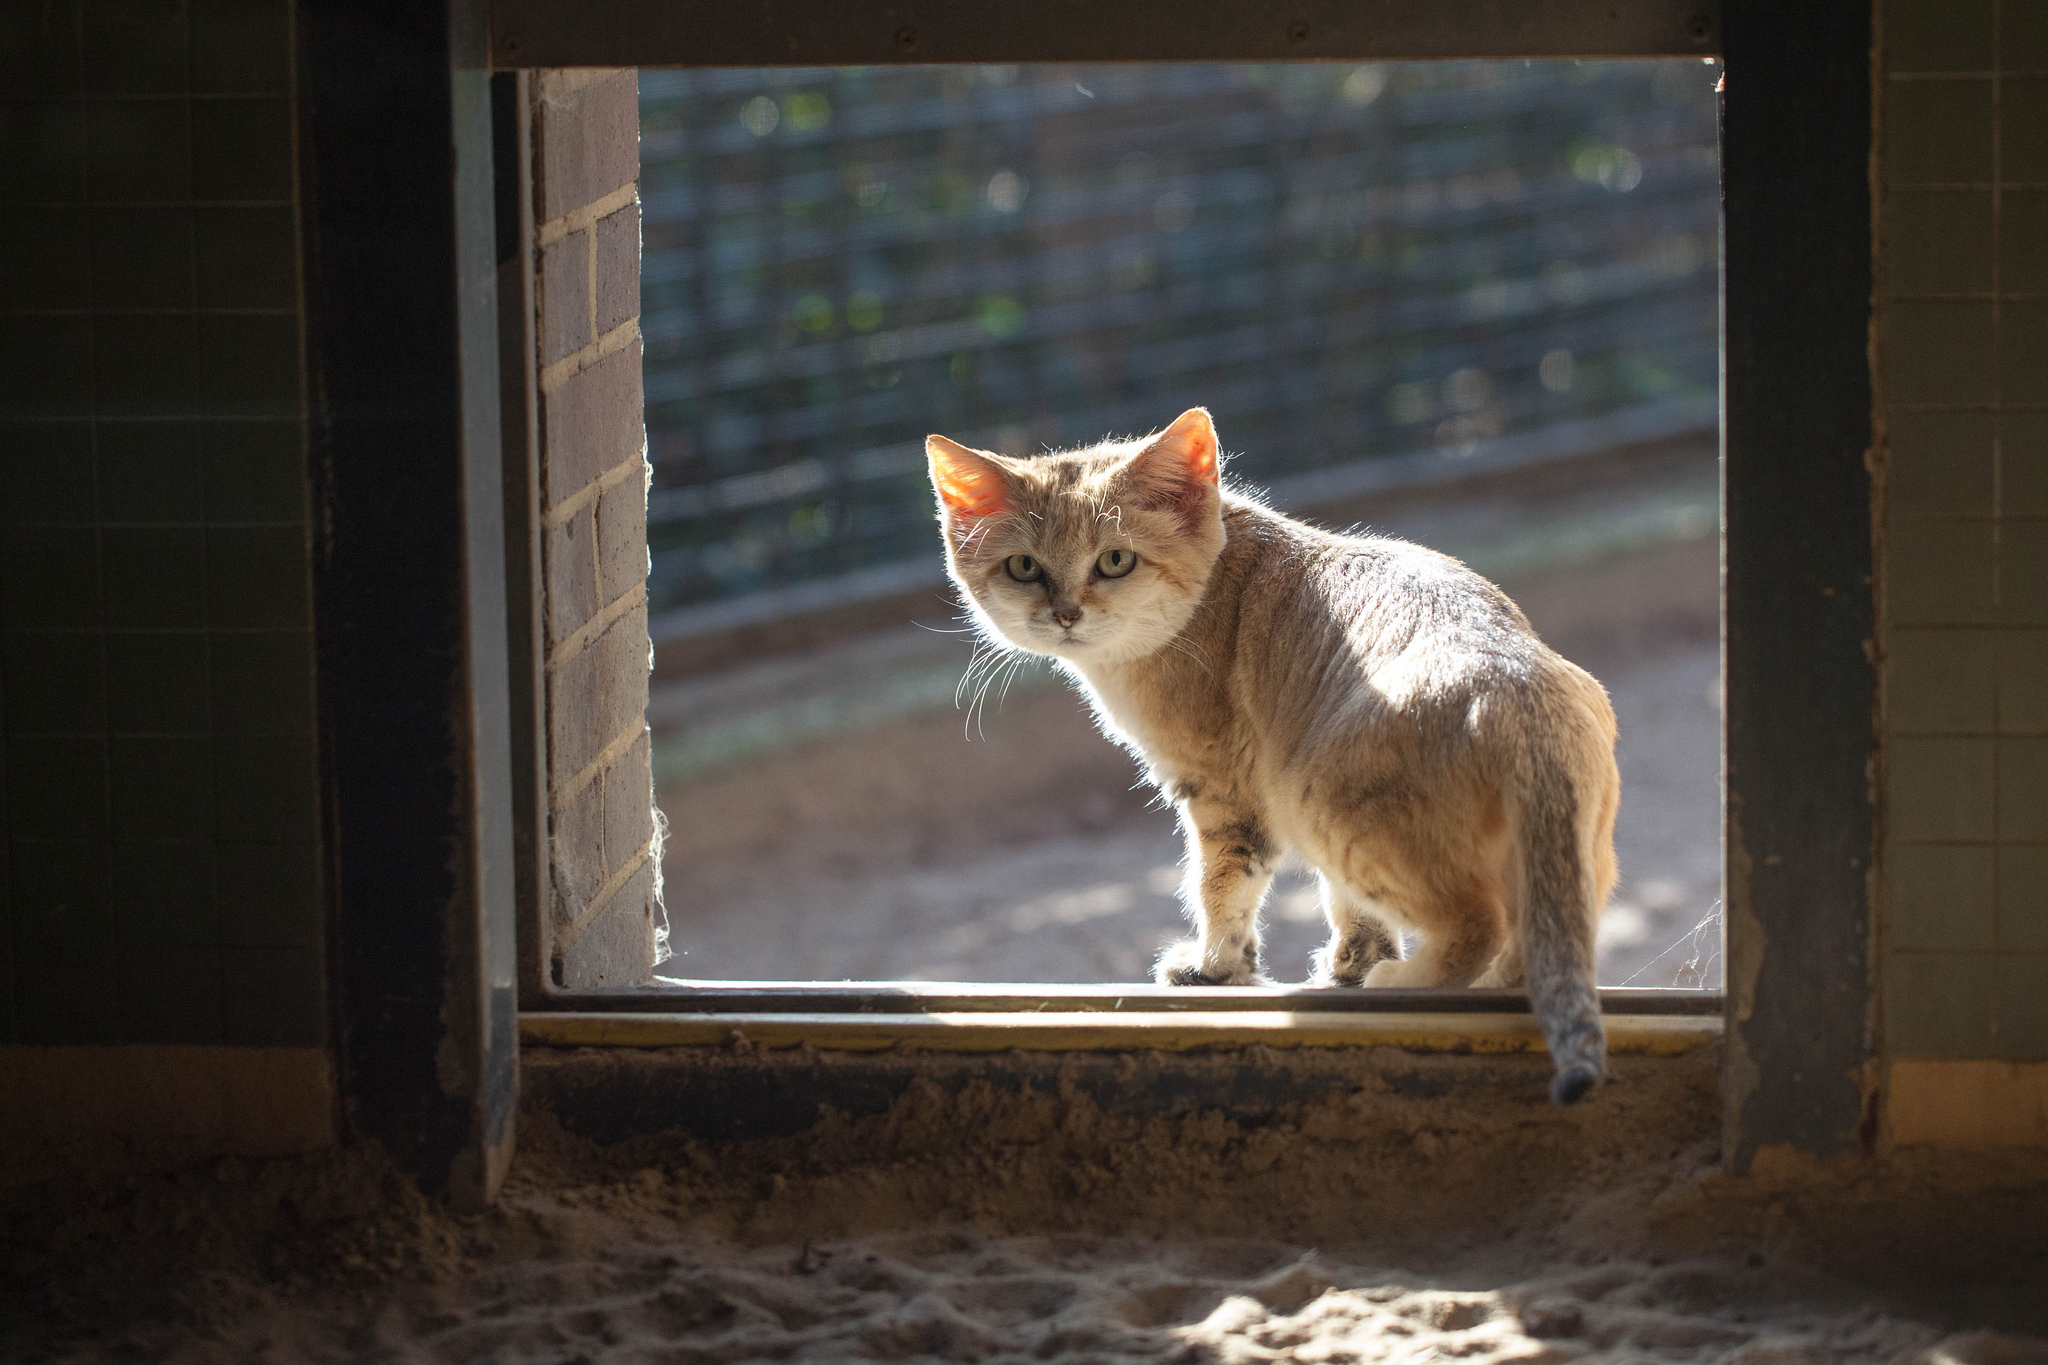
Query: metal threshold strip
point(945, 1017)
point(731, 998)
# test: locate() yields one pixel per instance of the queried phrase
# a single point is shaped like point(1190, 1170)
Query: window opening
point(1470, 303)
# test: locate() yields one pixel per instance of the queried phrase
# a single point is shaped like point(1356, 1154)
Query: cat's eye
point(1024, 568)
point(1116, 563)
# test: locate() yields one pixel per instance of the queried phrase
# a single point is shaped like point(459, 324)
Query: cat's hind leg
point(1230, 865)
point(1360, 937)
point(1461, 935)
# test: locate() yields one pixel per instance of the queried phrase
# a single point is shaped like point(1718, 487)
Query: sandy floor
point(634, 1269)
point(906, 842)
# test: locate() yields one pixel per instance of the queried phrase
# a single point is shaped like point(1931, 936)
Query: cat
point(1378, 708)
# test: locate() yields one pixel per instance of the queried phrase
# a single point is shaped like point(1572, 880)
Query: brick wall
point(603, 913)
point(1963, 934)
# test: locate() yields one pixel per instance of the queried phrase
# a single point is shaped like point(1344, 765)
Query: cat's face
point(1093, 556)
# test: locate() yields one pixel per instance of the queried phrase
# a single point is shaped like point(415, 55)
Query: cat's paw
point(1184, 964)
point(1329, 966)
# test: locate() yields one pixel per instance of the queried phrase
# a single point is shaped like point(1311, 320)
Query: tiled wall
point(603, 905)
point(160, 874)
point(1965, 544)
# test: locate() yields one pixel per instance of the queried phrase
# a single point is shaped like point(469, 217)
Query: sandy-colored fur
point(1372, 705)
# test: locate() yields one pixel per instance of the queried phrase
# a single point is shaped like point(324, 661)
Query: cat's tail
point(1558, 919)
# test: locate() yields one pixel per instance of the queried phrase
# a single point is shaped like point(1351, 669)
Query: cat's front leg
point(1230, 865)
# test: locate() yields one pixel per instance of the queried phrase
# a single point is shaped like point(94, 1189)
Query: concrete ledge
point(1968, 1105)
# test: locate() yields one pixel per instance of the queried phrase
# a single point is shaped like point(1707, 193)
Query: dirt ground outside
point(839, 815)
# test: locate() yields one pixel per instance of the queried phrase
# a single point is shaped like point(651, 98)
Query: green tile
point(2023, 352)
point(1940, 897)
point(2023, 682)
point(44, 262)
point(250, 365)
point(155, 576)
point(1938, 242)
point(39, 49)
point(2023, 242)
point(248, 258)
point(46, 472)
point(241, 47)
point(161, 786)
point(255, 471)
point(264, 788)
point(2023, 464)
point(1940, 351)
point(49, 577)
point(2023, 573)
point(57, 891)
point(2023, 899)
point(172, 995)
point(45, 159)
point(274, 997)
point(57, 787)
point(144, 366)
point(164, 893)
point(2023, 1007)
point(257, 576)
point(54, 683)
point(2023, 129)
point(134, 49)
point(1937, 132)
point(2023, 788)
point(151, 471)
point(1940, 1004)
point(142, 257)
point(263, 683)
point(66, 996)
point(1938, 35)
point(1940, 682)
point(1940, 464)
point(2023, 36)
point(241, 149)
point(1940, 573)
point(157, 682)
point(270, 896)
point(46, 372)
point(140, 152)
point(1942, 789)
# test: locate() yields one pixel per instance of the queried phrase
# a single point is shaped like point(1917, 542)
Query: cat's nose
point(1066, 614)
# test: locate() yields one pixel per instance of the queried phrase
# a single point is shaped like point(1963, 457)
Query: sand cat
point(1374, 706)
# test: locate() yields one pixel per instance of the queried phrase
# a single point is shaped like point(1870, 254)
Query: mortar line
point(559, 799)
point(565, 511)
point(555, 229)
point(581, 638)
point(565, 937)
point(553, 377)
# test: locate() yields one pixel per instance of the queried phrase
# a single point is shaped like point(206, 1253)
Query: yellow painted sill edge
point(1628, 1035)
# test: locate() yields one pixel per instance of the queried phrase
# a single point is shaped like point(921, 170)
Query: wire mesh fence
point(1346, 264)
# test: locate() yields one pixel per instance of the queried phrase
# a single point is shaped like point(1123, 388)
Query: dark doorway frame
point(426, 1053)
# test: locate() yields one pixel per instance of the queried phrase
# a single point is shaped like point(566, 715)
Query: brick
point(628, 804)
point(594, 696)
point(572, 576)
point(592, 422)
point(587, 137)
point(564, 290)
point(617, 245)
point(576, 836)
point(622, 536)
point(617, 949)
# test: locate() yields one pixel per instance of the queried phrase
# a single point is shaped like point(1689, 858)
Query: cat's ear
point(1178, 467)
point(969, 483)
